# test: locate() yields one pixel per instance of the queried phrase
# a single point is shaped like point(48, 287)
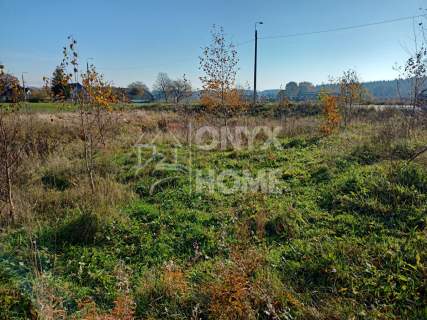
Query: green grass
point(53, 107)
point(345, 240)
point(45, 107)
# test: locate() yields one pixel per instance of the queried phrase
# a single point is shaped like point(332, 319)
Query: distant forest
point(380, 91)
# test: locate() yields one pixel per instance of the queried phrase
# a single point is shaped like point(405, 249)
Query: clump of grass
point(366, 154)
point(391, 195)
point(163, 293)
point(83, 229)
point(285, 225)
point(245, 288)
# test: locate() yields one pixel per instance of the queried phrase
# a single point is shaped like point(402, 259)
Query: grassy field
point(53, 107)
point(47, 107)
point(270, 109)
point(344, 239)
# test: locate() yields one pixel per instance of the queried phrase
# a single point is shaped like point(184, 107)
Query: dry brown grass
point(235, 293)
point(243, 287)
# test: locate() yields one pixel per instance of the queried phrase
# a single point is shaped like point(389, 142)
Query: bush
point(321, 174)
point(83, 229)
point(283, 226)
point(58, 182)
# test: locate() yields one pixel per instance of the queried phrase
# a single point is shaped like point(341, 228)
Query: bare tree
point(414, 73)
point(180, 89)
point(351, 92)
point(163, 85)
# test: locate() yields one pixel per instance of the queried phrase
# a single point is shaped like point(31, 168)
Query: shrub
point(58, 182)
point(83, 229)
point(163, 294)
point(331, 113)
point(321, 174)
point(283, 226)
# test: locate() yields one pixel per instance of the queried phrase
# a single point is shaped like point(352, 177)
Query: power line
point(244, 42)
point(148, 66)
point(301, 34)
point(291, 35)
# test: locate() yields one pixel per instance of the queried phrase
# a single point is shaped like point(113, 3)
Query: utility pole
point(255, 60)
point(23, 86)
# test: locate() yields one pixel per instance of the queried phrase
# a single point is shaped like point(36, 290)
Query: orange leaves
point(124, 309)
point(174, 280)
point(230, 297)
point(232, 294)
point(332, 116)
point(235, 99)
point(93, 98)
point(97, 91)
point(351, 91)
point(227, 101)
point(219, 65)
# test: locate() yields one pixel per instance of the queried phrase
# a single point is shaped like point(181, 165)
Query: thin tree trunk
point(86, 142)
point(89, 163)
point(10, 193)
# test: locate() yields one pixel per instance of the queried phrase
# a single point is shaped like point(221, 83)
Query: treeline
point(165, 88)
point(385, 90)
point(378, 91)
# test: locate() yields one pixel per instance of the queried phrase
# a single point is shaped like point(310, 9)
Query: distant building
point(77, 90)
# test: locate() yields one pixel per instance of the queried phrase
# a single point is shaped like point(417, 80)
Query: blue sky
point(133, 40)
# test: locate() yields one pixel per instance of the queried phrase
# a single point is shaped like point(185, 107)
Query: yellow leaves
point(228, 100)
point(235, 99)
point(332, 116)
point(97, 92)
point(219, 64)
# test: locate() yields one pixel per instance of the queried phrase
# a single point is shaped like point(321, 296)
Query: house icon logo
point(165, 161)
